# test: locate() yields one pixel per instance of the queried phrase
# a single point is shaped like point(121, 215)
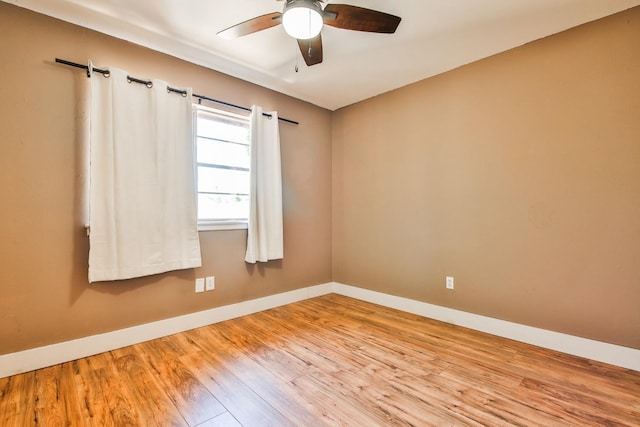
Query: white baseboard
point(41, 357)
point(625, 357)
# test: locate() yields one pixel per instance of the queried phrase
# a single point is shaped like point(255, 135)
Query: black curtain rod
point(170, 89)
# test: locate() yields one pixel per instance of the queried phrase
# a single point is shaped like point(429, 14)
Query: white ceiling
point(434, 36)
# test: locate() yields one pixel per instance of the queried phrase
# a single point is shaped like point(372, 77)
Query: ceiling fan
point(303, 20)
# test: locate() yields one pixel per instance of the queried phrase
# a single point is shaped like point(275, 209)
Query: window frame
point(213, 224)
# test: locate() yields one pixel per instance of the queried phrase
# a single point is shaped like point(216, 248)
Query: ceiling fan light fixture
point(302, 19)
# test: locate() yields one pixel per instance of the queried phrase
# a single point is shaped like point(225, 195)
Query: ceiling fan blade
point(251, 26)
point(360, 19)
point(311, 50)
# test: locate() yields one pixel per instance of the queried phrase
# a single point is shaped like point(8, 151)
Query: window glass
point(210, 151)
point(216, 180)
point(223, 158)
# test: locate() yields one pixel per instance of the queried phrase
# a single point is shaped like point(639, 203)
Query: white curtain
point(142, 207)
point(265, 236)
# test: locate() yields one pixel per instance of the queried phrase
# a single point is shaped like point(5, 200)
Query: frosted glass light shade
point(302, 22)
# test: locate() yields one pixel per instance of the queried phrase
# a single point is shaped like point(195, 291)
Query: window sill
point(221, 225)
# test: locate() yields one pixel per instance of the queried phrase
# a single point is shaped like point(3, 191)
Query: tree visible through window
point(222, 160)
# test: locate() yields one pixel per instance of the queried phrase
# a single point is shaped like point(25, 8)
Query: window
point(222, 169)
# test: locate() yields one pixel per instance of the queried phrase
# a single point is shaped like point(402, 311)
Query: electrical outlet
point(210, 283)
point(200, 284)
point(449, 282)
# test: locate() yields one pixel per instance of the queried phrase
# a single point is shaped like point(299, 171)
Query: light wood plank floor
point(330, 360)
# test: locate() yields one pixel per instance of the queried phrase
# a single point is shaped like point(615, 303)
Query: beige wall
point(519, 175)
point(44, 294)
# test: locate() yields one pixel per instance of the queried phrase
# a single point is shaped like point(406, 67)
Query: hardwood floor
point(330, 360)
